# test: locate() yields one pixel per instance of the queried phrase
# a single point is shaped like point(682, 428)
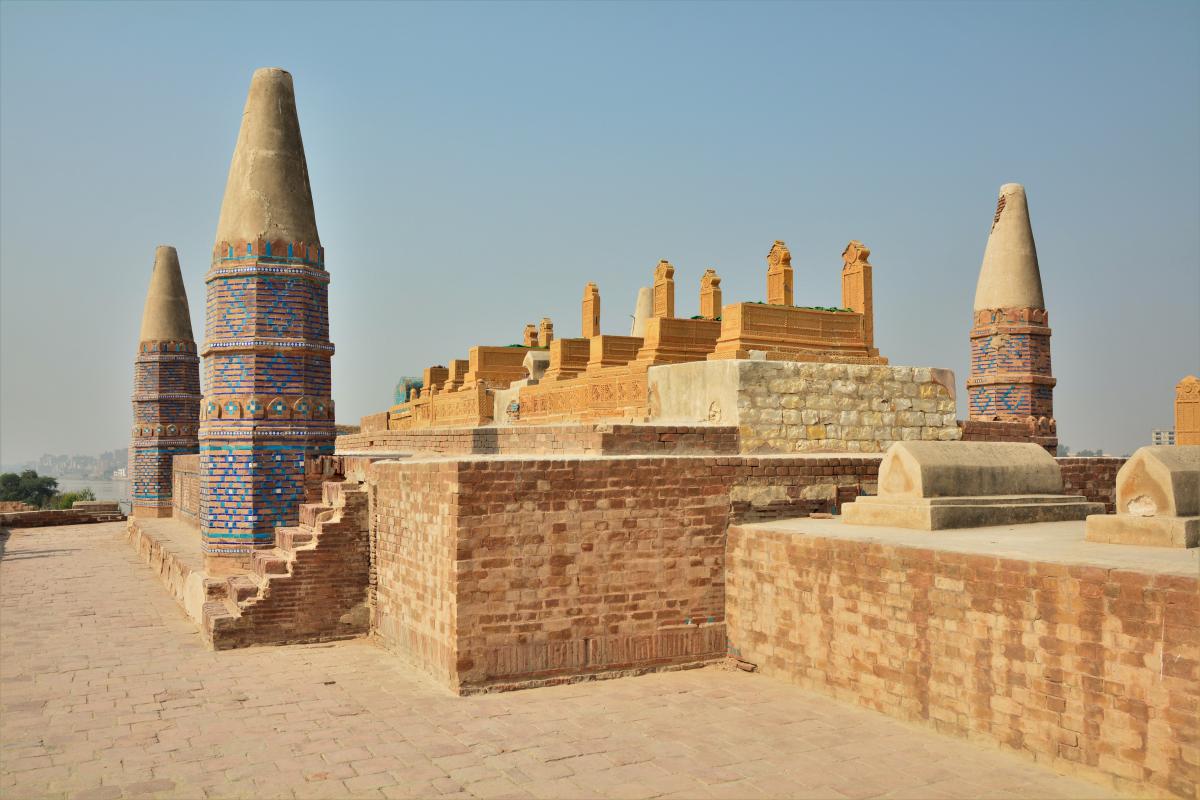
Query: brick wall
point(322, 592)
point(777, 488)
point(575, 439)
point(185, 488)
point(44, 518)
point(1036, 431)
point(579, 566)
point(508, 572)
point(414, 522)
point(1093, 670)
point(1094, 478)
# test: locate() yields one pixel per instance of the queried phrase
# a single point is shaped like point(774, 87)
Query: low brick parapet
point(44, 518)
point(572, 439)
point(1076, 654)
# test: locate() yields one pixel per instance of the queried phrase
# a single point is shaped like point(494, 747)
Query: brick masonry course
point(1090, 669)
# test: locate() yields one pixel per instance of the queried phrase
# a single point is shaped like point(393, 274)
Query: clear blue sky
point(475, 165)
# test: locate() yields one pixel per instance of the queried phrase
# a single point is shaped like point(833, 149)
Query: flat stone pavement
point(106, 691)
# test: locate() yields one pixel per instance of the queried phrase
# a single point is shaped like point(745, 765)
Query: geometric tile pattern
point(266, 406)
point(1011, 378)
point(166, 412)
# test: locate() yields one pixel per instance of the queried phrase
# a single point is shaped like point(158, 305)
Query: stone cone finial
point(166, 316)
point(268, 192)
point(643, 310)
point(1009, 277)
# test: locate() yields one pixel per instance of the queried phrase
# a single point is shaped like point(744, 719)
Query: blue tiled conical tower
point(166, 388)
point(266, 409)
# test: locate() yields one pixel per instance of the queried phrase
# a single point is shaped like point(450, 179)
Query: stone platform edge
point(185, 584)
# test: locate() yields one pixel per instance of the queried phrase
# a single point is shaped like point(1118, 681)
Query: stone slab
point(1055, 542)
point(1150, 531)
point(942, 513)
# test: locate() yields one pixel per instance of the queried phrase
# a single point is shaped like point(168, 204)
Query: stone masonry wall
point(1094, 478)
point(787, 406)
point(1090, 669)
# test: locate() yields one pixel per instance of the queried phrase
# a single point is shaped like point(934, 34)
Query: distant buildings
point(1162, 436)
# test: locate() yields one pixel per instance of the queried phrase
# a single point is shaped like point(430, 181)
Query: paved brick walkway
point(107, 692)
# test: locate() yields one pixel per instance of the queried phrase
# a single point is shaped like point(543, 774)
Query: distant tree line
point(39, 491)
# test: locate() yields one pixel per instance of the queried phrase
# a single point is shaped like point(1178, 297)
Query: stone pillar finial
point(545, 333)
point(710, 294)
point(857, 293)
point(779, 275)
point(591, 311)
point(530, 336)
point(1187, 411)
point(664, 289)
point(1010, 276)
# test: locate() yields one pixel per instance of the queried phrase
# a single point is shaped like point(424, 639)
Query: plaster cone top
point(166, 316)
point(1009, 277)
point(642, 311)
point(268, 193)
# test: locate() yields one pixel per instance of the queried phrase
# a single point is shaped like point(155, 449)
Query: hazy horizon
point(474, 165)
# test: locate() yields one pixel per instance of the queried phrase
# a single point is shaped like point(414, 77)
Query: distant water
point(103, 489)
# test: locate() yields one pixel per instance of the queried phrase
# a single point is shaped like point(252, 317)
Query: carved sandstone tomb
point(1158, 500)
point(784, 332)
point(938, 485)
point(1187, 411)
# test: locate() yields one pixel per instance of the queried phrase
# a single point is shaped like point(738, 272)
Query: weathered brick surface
point(44, 518)
point(1094, 478)
point(506, 572)
point(1092, 669)
point(1040, 432)
point(311, 591)
point(575, 439)
point(414, 522)
point(763, 489)
point(185, 488)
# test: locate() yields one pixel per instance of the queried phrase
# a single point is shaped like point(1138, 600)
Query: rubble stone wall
point(1090, 669)
point(786, 406)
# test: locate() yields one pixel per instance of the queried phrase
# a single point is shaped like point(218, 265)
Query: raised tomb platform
point(934, 486)
point(1158, 500)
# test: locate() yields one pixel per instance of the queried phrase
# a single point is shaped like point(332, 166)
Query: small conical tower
point(166, 388)
point(1010, 379)
point(267, 409)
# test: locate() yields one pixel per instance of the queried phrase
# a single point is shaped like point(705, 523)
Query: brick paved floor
point(106, 691)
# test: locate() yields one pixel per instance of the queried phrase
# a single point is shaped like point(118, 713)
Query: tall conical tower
point(1010, 380)
point(267, 407)
point(166, 388)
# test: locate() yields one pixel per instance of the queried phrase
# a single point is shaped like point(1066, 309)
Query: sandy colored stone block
point(933, 485)
point(1158, 500)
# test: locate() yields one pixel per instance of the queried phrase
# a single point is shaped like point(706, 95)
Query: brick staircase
point(311, 587)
